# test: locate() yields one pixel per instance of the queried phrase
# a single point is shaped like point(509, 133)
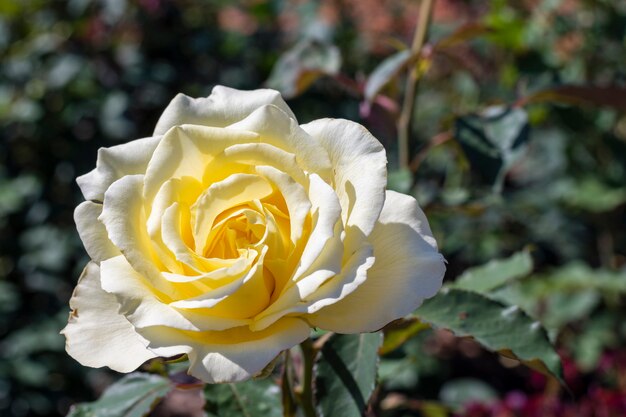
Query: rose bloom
point(232, 231)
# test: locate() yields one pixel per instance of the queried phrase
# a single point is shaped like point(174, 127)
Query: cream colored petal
point(144, 307)
point(295, 196)
point(327, 214)
point(320, 261)
point(256, 154)
point(334, 288)
point(223, 107)
point(360, 173)
point(93, 233)
point(220, 196)
point(407, 270)
point(124, 217)
point(233, 355)
point(171, 224)
point(139, 302)
point(187, 150)
point(227, 269)
point(96, 334)
point(115, 162)
point(278, 129)
point(248, 288)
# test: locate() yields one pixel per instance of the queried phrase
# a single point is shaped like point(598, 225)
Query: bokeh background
point(76, 75)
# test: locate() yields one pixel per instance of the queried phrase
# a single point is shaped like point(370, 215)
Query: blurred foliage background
point(518, 142)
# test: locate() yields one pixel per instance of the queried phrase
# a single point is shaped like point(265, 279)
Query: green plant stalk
point(288, 397)
point(305, 396)
point(408, 104)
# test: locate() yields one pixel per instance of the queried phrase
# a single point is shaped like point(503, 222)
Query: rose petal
point(360, 174)
point(223, 107)
point(97, 335)
point(188, 150)
point(279, 129)
point(339, 285)
point(93, 233)
point(144, 307)
point(125, 220)
point(231, 192)
point(295, 196)
point(320, 259)
point(327, 213)
point(407, 270)
point(233, 355)
point(115, 162)
point(255, 154)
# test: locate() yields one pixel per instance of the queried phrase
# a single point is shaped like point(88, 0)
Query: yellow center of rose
point(228, 230)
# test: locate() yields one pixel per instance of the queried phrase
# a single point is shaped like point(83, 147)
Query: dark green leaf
point(387, 70)
point(346, 374)
point(498, 327)
point(135, 395)
point(302, 65)
point(495, 273)
point(493, 141)
point(255, 398)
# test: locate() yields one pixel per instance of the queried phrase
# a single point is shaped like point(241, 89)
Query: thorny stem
point(288, 400)
point(306, 393)
point(408, 105)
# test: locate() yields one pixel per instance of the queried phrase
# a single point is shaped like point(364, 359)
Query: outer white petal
point(407, 270)
point(93, 233)
point(223, 107)
point(233, 355)
point(96, 334)
point(115, 162)
point(360, 173)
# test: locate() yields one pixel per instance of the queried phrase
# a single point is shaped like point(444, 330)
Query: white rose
point(232, 231)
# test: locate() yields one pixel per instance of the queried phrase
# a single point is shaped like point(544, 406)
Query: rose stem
point(306, 393)
point(408, 105)
point(288, 400)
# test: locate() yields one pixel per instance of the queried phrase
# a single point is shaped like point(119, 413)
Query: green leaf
point(564, 295)
point(495, 273)
point(135, 395)
point(460, 392)
point(387, 70)
point(493, 141)
point(498, 327)
point(302, 65)
point(399, 332)
point(255, 398)
point(592, 195)
point(597, 335)
point(346, 374)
